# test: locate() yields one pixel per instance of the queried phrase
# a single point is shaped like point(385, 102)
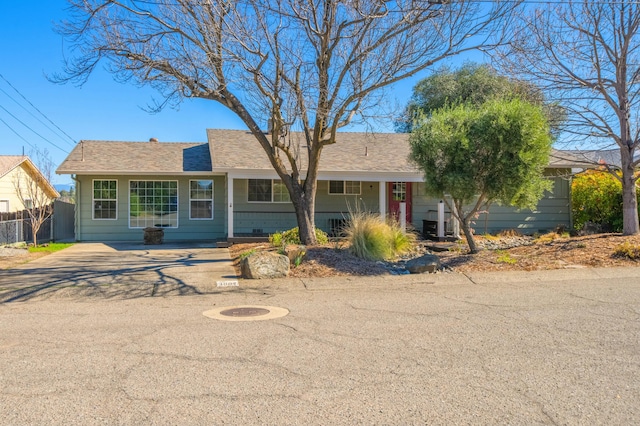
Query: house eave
point(373, 176)
point(136, 173)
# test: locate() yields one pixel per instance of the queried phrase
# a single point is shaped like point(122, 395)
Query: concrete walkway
point(119, 270)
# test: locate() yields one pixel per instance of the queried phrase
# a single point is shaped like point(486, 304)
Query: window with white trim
point(105, 199)
point(267, 191)
point(153, 203)
point(344, 187)
point(201, 199)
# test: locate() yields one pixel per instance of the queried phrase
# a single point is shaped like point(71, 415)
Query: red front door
point(399, 192)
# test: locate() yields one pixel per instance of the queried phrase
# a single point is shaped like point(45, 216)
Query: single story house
point(20, 182)
point(226, 188)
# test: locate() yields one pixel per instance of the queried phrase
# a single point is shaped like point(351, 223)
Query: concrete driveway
point(557, 347)
point(119, 270)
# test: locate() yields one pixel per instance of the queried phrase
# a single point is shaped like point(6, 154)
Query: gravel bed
point(505, 242)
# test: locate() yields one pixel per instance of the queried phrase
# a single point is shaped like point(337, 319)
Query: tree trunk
point(304, 205)
point(35, 227)
point(468, 233)
point(630, 224)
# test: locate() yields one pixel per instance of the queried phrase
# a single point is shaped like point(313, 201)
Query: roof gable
point(10, 162)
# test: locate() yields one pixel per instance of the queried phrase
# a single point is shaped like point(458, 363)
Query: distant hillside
point(63, 187)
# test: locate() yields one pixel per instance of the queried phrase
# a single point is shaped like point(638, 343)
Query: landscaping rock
point(264, 265)
point(591, 228)
point(428, 263)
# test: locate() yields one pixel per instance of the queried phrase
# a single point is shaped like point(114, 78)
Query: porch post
point(382, 199)
point(229, 206)
point(441, 232)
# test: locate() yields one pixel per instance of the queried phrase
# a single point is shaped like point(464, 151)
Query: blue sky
point(102, 109)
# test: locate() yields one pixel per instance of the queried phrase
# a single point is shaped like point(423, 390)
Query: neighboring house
point(226, 188)
point(595, 157)
point(19, 169)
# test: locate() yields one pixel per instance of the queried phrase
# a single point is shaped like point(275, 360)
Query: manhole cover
point(246, 313)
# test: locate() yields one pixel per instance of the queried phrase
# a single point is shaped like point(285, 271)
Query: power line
point(19, 135)
point(31, 114)
point(25, 125)
point(36, 108)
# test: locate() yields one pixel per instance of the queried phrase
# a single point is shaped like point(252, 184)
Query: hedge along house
point(226, 189)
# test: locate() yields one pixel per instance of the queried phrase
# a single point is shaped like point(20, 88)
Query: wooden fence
point(15, 227)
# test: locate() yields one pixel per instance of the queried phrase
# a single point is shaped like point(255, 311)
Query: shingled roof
point(9, 162)
point(238, 150)
point(111, 157)
point(354, 152)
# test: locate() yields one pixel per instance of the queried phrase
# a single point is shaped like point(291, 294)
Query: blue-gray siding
point(89, 229)
point(265, 218)
point(553, 210)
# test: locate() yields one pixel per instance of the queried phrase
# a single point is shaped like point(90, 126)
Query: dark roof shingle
point(353, 152)
point(137, 157)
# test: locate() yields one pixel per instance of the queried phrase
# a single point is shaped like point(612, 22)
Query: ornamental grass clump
point(371, 238)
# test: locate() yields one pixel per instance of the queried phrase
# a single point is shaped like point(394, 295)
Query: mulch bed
point(505, 253)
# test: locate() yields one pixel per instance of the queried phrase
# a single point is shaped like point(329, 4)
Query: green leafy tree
point(596, 196)
point(495, 152)
point(474, 84)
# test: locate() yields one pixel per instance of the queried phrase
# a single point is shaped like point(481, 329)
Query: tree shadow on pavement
point(142, 274)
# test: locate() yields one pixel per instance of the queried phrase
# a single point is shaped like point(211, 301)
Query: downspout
point(76, 216)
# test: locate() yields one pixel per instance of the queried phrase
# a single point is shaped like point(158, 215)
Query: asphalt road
point(494, 349)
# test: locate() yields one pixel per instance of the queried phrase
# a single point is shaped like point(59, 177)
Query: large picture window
point(201, 199)
point(153, 203)
point(105, 199)
point(344, 187)
point(268, 191)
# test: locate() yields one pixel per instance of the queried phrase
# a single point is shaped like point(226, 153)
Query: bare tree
point(34, 190)
point(586, 55)
point(306, 65)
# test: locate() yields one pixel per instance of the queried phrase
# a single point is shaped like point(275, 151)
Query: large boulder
point(264, 265)
point(427, 263)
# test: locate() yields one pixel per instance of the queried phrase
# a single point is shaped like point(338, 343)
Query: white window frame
point(344, 187)
point(8, 206)
point(273, 182)
point(177, 203)
point(201, 199)
point(94, 199)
